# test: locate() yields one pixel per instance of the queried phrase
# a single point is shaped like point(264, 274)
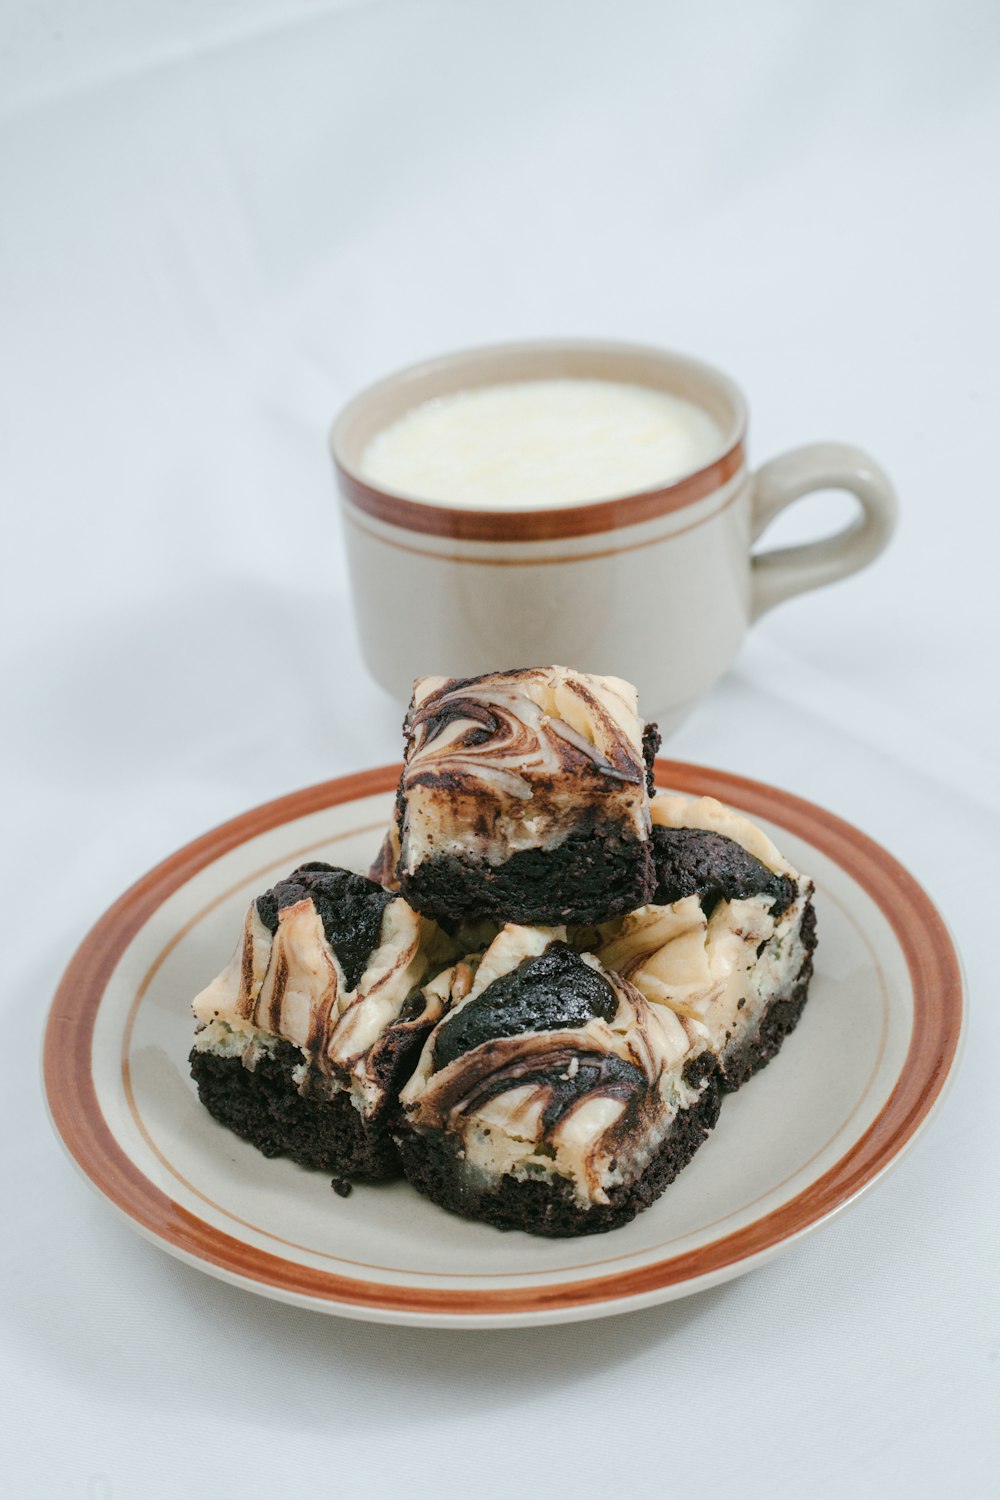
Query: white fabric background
point(220, 220)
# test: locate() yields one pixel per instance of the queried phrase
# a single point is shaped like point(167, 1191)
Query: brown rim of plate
point(935, 977)
point(556, 523)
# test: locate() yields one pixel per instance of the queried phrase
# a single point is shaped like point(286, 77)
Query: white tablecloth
point(219, 221)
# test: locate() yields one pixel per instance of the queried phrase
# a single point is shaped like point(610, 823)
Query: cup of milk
point(585, 503)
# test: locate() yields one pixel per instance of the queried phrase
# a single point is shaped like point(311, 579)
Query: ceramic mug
point(658, 586)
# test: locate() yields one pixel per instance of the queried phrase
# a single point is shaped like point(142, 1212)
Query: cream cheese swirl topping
point(515, 760)
point(701, 968)
point(508, 728)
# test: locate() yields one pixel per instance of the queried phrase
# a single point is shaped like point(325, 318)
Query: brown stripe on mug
point(553, 524)
point(546, 559)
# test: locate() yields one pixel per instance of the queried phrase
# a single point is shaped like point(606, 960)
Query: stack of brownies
point(535, 1002)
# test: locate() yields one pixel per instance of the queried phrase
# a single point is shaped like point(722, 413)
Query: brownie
point(290, 1051)
point(433, 1160)
point(551, 1062)
point(525, 798)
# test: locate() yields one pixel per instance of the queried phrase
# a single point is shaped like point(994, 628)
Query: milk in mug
point(542, 442)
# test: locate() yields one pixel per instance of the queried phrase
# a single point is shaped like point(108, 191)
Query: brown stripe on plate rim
point(554, 523)
point(935, 978)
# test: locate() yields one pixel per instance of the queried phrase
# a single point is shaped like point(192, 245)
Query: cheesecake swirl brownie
point(301, 1043)
point(569, 1087)
point(548, 1096)
point(524, 798)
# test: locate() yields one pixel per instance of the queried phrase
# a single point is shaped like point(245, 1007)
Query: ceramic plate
point(851, 1089)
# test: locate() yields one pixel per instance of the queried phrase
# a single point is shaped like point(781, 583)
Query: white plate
point(850, 1090)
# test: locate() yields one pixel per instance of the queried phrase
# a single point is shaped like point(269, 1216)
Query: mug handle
point(779, 574)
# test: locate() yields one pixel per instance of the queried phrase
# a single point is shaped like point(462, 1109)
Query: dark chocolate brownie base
point(548, 1207)
point(265, 1107)
point(592, 875)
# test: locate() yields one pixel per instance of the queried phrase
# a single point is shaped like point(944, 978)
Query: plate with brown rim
point(853, 1087)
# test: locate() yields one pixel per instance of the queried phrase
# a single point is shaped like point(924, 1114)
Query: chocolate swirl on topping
point(696, 862)
point(507, 729)
point(350, 907)
point(595, 1073)
point(564, 1071)
point(555, 991)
